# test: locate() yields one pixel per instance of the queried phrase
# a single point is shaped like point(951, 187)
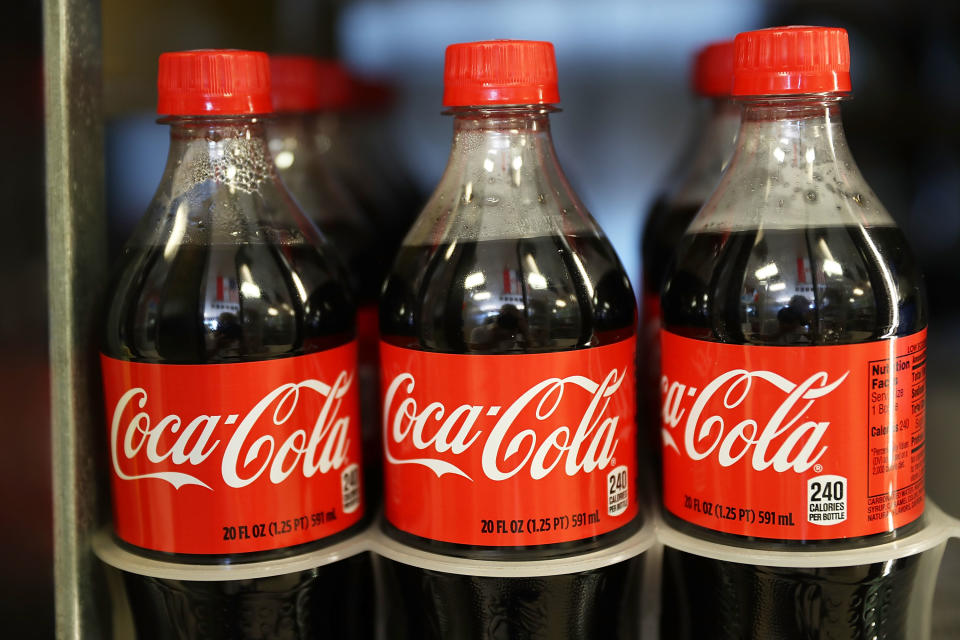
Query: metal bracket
point(76, 260)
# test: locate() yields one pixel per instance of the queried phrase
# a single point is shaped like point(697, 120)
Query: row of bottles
point(256, 372)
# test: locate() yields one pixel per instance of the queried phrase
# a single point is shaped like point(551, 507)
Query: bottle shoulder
point(201, 281)
point(794, 247)
point(811, 285)
point(790, 173)
point(519, 295)
point(505, 258)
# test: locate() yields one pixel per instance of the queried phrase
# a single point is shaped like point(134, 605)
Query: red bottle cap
point(335, 85)
point(500, 72)
point(294, 83)
point(713, 70)
point(791, 60)
point(213, 82)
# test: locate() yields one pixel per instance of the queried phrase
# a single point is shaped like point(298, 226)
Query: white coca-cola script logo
point(798, 438)
point(589, 446)
point(245, 457)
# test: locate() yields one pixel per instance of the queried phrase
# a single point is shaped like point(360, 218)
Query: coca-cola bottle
point(687, 188)
point(369, 123)
point(369, 180)
point(306, 168)
point(793, 350)
point(228, 361)
point(507, 345)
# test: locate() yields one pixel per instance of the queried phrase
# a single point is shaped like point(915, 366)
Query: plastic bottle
point(508, 336)
point(300, 100)
point(229, 372)
point(793, 364)
point(691, 184)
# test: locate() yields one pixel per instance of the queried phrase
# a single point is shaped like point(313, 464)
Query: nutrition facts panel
point(896, 417)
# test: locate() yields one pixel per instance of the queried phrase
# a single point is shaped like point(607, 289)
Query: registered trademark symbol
point(818, 468)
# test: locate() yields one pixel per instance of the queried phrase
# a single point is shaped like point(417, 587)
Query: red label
point(794, 443)
point(509, 450)
point(232, 458)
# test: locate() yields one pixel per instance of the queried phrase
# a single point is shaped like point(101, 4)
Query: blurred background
point(627, 114)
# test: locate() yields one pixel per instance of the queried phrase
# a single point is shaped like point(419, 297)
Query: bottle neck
point(230, 151)
point(803, 134)
point(512, 129)
point(221, 187)
point(509, 146)
point(502, 181)
point(314, 132)
point(290, 139)
point(792, 168)
point(299, 124)
point(704, 162)
point(328, 129)
point(723, 121)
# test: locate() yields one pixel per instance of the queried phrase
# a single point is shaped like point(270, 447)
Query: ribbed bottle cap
point(500, 72)
point(213, 82)
point(791, 60)
point(713, 70)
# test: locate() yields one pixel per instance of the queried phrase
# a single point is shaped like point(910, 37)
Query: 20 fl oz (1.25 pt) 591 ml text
point(741, 514)
point(278, 527)
point(539, 525)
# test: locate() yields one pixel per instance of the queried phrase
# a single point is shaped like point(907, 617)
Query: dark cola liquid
point(662, 233)
point(365, 276)
point(428, 304)
point(706, 598)
point(333, 602)
point(840, 285)
point(590, 605)
point(355, 245)
point(212, 304)
point(228, 303)
point(390, 211)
